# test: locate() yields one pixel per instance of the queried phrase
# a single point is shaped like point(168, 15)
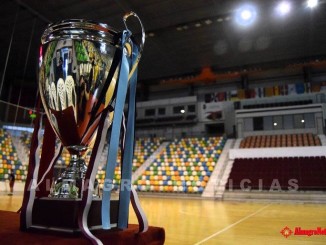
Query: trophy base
point(62, 214)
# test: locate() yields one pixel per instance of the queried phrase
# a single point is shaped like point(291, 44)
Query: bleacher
point(144, 148)
point(283, 140)
point(184, 166)
point(25, 138)
point(278, 174)
point(9, 161)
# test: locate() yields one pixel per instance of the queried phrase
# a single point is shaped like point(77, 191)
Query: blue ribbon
point(115, 135)
point(125, 184)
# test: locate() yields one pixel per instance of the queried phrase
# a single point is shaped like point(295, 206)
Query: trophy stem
point(70, 183)
point(76, 168)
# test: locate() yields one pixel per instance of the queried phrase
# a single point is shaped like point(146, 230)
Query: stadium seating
point(289, 173)
point(185, 165)
point(25, 138)
point(144, 148)
point(284, 140)
point(9, 161)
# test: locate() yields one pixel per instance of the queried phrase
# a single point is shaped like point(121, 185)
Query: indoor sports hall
point(163, 122)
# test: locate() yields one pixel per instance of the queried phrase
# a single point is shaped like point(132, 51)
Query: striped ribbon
point(35, 169)
point(49, 156)
point(30, 173)
point(140, 214)
point(57, 154)
point(128, 152)
point(90, 177)
point(115, 135)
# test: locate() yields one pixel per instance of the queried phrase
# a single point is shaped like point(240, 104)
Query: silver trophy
point(77, 81)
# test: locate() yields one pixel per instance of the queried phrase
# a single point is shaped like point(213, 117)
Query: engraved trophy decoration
point(77, 81)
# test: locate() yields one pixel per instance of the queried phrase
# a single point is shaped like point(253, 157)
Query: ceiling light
point(283, 8)
point(208, 22)
point(185, 27)
point(198, 25)
point(246, 15)
point(312, 3)
point(227, 18)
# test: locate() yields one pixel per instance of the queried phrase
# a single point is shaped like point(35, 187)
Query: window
point(208, 98)
point(178, 109)
point(149, 112)
point(299, 121)
point(161, 111)
point(268, 123)
point(248, 124)
point(288, 121)
point(277, 122)
point(191, 108)
point(258, 123)
point(309, 120)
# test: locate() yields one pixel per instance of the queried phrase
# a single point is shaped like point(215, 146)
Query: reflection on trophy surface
point(76, 58)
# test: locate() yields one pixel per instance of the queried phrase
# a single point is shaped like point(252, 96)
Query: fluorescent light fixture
point(312, 3)
point(246, 15)
point(283, 8)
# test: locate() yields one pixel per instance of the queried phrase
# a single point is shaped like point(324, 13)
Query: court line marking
point(232, 225)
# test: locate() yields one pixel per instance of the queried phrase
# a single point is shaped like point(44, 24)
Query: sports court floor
point(193, 221)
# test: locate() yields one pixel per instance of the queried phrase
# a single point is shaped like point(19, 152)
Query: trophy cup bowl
point(75, 60)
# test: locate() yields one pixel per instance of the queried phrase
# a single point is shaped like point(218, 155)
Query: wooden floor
point(188, 221)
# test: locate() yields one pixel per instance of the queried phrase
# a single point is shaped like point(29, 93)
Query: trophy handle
point(141, 46)
point(125, 17)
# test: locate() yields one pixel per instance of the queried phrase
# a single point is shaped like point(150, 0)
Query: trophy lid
point(80, 29)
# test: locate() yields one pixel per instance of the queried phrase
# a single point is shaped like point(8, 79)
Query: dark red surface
point(10, 234)
point(309, 173)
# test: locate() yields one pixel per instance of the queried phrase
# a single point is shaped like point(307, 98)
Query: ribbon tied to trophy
point(86, 71)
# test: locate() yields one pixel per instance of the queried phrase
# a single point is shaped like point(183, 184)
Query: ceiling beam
point(33, 11)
